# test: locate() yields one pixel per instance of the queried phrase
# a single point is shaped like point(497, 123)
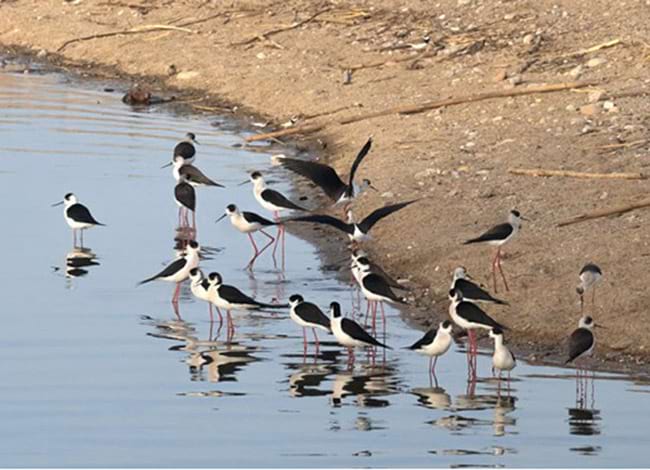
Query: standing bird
point(502, 359)
point(185, 197)
point(590, 275)
point(434, 344)
point(349, 333)
point(326, 177)
point(472, 292)
point(248, 223)
point(582, 341)
point(308, 315)
point(273, 201)
point(376, 289)
point(192, 174)
point(470, 317)
point(179, 269)
point(185, 148)
point(498, 236)
point(230, 298)
point(77, 216)
point(200, 287)
point(357, 232)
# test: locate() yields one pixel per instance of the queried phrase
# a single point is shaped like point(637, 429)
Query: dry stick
point(418, 108)
point(266, 34)
point(126, 32)
point(605, 212)
point(575, 174)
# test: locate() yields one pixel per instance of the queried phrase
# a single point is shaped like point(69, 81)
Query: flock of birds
point(377, 286)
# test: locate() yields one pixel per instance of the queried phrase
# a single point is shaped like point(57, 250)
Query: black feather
point(427, 339)
point(496, 233)
point(252, 217)
point(325, 219)
point(277, 199)
point(353, 329)
point(185, 194)
point(355, 165)
point(366, 224)
point(310, 313)
point(80, 213)
point(378, 285)
point(322, 175)
point(472, 313)
point(580, 341)
point(471, 291)
point(169, 270)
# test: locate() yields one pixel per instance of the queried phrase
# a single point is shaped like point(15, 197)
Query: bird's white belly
point(73, 224)
point(440, 345)
point(199, 292)
point(343, 338)
point(245, 227)
point(502, 360)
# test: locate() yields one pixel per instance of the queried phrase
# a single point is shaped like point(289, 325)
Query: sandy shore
point(326, 67)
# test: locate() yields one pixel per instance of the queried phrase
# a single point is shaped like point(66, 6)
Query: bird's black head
point(215, 278)
point(497, 331)
point(363, 261)
point(68, 196)
point(588, 320)
point(231, 208)
point(335, 309)
point(515, 213)
point(194, 272)
point(191, 136)
point(295, 298)
point(256, 175)
point(446, 324)
point(194, 244)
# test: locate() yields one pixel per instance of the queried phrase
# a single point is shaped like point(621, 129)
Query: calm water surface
point(97, 372)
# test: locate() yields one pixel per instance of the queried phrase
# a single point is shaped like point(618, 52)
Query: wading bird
point(77, 216)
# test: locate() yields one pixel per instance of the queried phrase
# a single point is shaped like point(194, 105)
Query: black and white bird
point(77, 216)
point(308, 315)
point(273, 201)
point(498, 236)
point(468, 316)
point(376, 290)
point(185, 197)
point(590, 275)
point(349, 333)
point(192, 174)
point(502, 358)
point(249, 223)
point(470, 291)
point(179, 269)
point(374, 268)
point(325, 177)
point(434, 344)
point(185, 148)
point(200, 287)
point(582, 341)
point(357, 232)
point(230, 298)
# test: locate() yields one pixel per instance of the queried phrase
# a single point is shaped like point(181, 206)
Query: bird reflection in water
point(77, 263)
point(584, 418)
point(369, 388)
point(433, 397)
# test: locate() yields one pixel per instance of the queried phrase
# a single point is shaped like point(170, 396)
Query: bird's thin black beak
point(525, 218)
point(373, 188)
point(220, 218)
point(196, 142)
point(244, 182)
point(169, 164)
point(57, 203)
point(600, 326)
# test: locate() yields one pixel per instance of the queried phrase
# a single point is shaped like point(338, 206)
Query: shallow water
point(97, 372)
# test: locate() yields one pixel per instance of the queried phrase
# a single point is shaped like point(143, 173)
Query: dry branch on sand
point(426, 106)
point(265, 35)
point(605, 213)
point(575, 174)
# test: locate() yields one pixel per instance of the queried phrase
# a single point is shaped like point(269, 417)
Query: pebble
point(589, 110)
point(609, 106)
point(515, 80)
point(570, 108)
point(187, 75)
point(595, 62)
point(528, 39)
point(575, 72)
point(596, 96)
point(388, 195)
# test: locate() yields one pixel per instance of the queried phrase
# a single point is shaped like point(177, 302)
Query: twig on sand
point(138, 30)
point(265, 35)
point(418, 108)
point(575, 174)
point(606, 212)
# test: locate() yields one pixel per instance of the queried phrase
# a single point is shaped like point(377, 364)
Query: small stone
point(595, 62)
point(261, 55)
point(608, 105)
point(187, 75)
point(589, 110)
point(462, 3)
point(528, 39)
point(575, 72)
point(388, 195)
point(500, 75)
point(509, 16)
point(515, 80)
point(42, 53)
point(595, 96)
point(571, 108)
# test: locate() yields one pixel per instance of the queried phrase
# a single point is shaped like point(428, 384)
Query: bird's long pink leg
point(81, 240)
point(257, 252)
point(316, 339)
point(211, 315)
point(503, 276)
point(220, 316)
point(268, 244)
point(177, 293)
point(494, 272)
point(304, 341)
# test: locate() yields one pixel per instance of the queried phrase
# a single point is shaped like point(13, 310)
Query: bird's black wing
point(277, 199)
point(312, 314)
point(498, 232)
point(325, 219)
point(473, 314)
point(591, 267)
point(366, 224)
point(169, 270)
point(80, 213)
point(235, 296)
point(378, 285)
point(184, 149)
point(252, 217)
point(427, 339)
point(186, 195)
point(387, 277)
point(580, 341)
point(353, 329)
point(195, 175)
point(322, 175)
point(471, 291)
point(355, 165)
